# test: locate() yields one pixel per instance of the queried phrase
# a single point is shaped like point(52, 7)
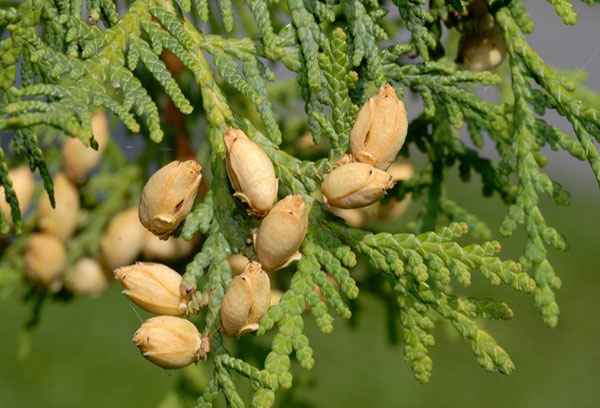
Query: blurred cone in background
point(45, 258)
point(307, 143)
point(400, 171)
point(276, 295)
point(87, 278)
point(357, 217)
point(62, 219)
point(172, 249)
point(78, 159)
point(123, 239)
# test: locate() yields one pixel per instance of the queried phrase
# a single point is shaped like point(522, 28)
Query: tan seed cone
point(170, 342)
point(246, 301)
point(87, 278)
point(123, 239)
point(380, 129)
point(62, 219)
point(154, 287)
point(172, 249)
point(355, 185)
point(23, 184)
point(251, 172)
point(168, 196)
point(279, 237)
point(44, 260)
point(238, 263)
point(79, 159)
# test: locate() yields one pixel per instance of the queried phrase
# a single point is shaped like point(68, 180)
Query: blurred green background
point(82, 355)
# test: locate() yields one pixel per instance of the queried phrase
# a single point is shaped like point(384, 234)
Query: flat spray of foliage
point(60, 63)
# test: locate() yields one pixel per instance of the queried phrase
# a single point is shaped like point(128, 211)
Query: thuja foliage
point(180, 73)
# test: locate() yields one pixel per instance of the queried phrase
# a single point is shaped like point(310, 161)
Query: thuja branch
point(525, 66)
point(350, 88)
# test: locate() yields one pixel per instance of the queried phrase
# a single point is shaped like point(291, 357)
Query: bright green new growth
point(112, 60)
